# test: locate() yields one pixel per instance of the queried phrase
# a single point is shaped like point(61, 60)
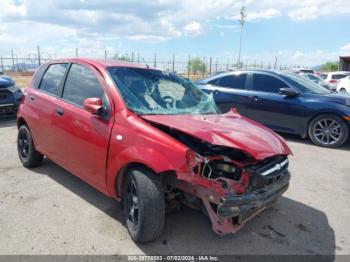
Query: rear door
point(229, 91)
point(267, 106)
point(83, 140)
point(41, 103)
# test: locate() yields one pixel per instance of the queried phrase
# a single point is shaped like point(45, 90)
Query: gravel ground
point(47, 210)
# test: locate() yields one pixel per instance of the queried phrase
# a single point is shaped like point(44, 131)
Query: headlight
point(13, 88)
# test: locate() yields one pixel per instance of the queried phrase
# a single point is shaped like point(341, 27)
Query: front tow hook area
point(233, 211)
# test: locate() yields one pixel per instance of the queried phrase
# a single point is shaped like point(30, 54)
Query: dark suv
point(285, 102)
point(10, 96)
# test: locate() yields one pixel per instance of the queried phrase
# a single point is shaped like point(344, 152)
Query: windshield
point(304, 85)
point(149, 91)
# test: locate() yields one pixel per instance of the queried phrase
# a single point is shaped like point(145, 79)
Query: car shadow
point(7, 121)
point(299, 140)
point(288, 228)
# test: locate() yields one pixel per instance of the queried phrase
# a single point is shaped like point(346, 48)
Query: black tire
point(319, 135)
point(145, 219)
point(342, 90)
point(26, 150)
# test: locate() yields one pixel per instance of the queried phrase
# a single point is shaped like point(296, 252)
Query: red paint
point(97, 150)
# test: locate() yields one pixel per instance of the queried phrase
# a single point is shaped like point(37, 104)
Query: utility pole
point(241, 21)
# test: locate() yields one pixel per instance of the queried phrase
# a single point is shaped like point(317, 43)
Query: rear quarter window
point(338, 76)
point(231, 81)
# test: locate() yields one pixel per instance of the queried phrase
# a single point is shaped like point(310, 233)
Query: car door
point(41, 104)
point(266, 105)
point(84, 138)
point(229, 91)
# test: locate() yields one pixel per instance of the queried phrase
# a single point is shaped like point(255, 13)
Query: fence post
point(188, 67)
point(76, 52)
point(39, 58)
point(210, 65)
point(216, 65)
point(173, 63)
point(2, 65)
point(228, 62)
point(155, 59)
point(105, 54)
point(132, 57)
point(17, 63)
point(138, 58)
point(13, 61)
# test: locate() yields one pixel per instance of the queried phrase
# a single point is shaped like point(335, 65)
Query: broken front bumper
point(232, 212)
point(233, 206)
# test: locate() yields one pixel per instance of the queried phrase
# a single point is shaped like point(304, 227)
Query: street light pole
point(241, 21)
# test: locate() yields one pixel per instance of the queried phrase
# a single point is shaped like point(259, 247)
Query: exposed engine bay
point(215, 161)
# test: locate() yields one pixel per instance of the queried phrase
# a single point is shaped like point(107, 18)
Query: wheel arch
point(167, 177)
point(305, 132)
point(21, 121)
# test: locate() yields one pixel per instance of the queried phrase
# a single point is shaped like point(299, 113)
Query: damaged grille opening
point(202, 147)
point(258, 180)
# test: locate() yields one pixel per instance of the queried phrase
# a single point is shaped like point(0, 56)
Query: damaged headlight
point(225, 167)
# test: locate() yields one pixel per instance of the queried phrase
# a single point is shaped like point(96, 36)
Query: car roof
point(100, 63)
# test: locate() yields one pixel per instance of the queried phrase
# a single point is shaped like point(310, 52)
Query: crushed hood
point(230, 130)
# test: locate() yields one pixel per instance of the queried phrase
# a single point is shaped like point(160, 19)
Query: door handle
point(254, 98)
point(59, 111)
point(32, 98)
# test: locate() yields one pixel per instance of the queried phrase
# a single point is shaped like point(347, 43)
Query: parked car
point(285, 102)
point(319, 81)
point(344, 85)
point(304, 71)
point(334, 77)
point(10, 96)
point(148, 138)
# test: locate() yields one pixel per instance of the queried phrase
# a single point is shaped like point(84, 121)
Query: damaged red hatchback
point(152, 140)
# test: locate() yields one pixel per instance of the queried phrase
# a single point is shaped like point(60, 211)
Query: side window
point(52, 78)
point(232, 81)
point(266, 83)
point(338, 76)
point(81, 84)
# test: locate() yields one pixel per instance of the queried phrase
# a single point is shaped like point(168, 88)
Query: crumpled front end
point(230, 184)
point(231, 201)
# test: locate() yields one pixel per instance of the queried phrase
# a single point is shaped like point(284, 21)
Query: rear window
point(338, 76)
point(231, 81)
point(307, 71)
point(323, 76)
point(52, 78)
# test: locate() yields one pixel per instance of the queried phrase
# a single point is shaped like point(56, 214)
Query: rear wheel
point(342, 90)
point(328, 131)
point(26, 150)
point(144, 205)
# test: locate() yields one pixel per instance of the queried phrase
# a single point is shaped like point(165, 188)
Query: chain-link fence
point(192, 67)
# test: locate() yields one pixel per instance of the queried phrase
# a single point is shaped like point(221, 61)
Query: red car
point(151, 139)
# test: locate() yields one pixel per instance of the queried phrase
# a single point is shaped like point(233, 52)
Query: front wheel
point(144, 205)
point(328, 131)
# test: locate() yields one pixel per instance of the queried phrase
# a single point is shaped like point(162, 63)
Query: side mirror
point(288, 91)
point(94, 106)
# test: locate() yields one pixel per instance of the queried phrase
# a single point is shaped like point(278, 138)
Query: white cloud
point(346, 49)
point(193, 29)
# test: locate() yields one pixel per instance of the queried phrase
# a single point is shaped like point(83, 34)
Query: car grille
point(8, 110)
point(4, 94)
point(267, 171)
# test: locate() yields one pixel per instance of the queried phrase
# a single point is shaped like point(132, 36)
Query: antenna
point(241, 21)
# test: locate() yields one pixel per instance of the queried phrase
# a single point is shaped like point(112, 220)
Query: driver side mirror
point(94, 106)
point(288, 91)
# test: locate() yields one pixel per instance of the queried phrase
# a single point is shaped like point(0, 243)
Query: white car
point(344, 85)
point(334, 77)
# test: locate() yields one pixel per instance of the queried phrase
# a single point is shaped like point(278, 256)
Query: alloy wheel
point(327, 131)
point(23, 144)
point(132, 206)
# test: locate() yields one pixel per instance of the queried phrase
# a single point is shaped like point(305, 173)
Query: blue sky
point(306, 32)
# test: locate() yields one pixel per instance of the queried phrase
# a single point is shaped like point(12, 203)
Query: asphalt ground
point(47, 210)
